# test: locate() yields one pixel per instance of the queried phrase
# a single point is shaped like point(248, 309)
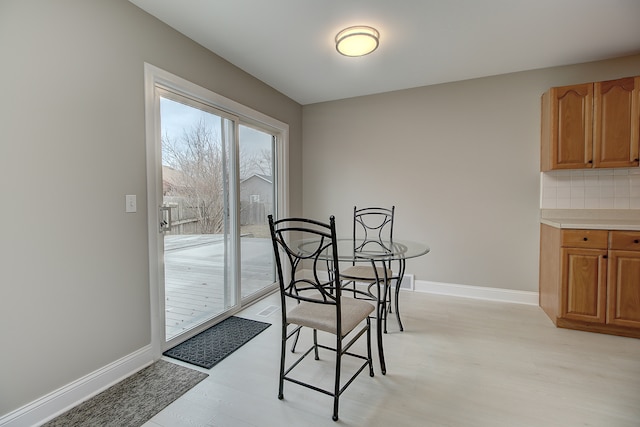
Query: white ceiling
point(289, 44)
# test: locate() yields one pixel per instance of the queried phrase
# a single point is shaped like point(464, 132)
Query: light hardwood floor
point(460, 362)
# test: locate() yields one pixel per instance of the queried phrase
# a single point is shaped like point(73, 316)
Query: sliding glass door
point(217, 180)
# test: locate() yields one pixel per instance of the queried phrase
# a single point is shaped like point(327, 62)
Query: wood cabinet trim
point(549, 292)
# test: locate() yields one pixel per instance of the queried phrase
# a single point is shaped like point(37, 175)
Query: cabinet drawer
point(625, 240)
point(594, 239)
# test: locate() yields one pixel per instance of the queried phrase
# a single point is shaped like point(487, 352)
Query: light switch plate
point(130, 203)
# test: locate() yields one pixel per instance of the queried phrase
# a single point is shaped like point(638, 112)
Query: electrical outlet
point(130, 203)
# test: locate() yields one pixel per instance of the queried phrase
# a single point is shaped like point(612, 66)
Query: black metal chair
point(372, 231)
point(310, 300)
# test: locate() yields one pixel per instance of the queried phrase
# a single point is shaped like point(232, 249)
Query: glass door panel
point(257, 196)
point(197, 159)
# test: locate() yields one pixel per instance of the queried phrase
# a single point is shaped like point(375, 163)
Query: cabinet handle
point(590, 161)
point(636, 241)
point(585, 238)
point(604, 257)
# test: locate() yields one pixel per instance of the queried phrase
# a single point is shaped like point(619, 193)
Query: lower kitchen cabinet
point(590, 279)
point(584, 278)
point(624, 280)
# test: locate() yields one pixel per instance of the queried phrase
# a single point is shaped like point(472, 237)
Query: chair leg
point(379, 322)
point(336, 389)
point(315, 343)
point(385, 311)
point(389, 306)
point(283, 350)
point(295, 341)
point(369, 347)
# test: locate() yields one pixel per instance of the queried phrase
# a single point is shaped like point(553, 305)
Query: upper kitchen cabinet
point(591, 125)
point(567, 135)
point(616, 123)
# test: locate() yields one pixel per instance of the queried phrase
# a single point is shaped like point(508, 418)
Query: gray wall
point(74, 282)
point(460, 161)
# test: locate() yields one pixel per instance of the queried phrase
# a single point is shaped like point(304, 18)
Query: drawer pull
point(585, 238)
point(636, 241)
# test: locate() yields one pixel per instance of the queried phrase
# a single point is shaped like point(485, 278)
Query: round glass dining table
point(377, 253)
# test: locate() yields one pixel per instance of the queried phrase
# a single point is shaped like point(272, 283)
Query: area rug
point(134, 400)
point(211, 346)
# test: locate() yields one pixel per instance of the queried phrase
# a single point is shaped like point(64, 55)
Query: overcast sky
point(177, 117)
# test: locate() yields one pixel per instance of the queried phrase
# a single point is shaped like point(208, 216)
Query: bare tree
point(256, 163)
point(198, 158)
point(264, 162)
point(197, 179)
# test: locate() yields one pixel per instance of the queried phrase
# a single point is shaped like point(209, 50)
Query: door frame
point(154, 76)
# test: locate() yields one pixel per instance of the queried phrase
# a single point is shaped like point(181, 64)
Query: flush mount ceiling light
point(357, 41)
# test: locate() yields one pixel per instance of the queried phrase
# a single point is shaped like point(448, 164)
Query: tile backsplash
point(590, 189)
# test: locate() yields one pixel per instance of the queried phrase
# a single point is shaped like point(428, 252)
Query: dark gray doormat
point(211, 346)
point(134, 400)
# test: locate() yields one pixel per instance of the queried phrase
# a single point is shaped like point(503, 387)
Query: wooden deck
point(195, 277)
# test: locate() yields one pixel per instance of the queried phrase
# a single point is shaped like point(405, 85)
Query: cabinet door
point(567, 133)
point(616, 122)
point(623, 299)
point(584, 275)
point(570, 136)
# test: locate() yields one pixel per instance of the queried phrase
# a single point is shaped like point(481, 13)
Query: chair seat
point(365, 273)
point(323, 316)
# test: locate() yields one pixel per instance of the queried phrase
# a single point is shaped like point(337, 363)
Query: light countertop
point(595, 219)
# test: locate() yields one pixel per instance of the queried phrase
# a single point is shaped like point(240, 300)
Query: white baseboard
point(63, 399)
point(465, 291)
point(477, 292)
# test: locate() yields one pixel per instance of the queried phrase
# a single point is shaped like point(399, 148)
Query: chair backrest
point(319, 249)
point(373, 227)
